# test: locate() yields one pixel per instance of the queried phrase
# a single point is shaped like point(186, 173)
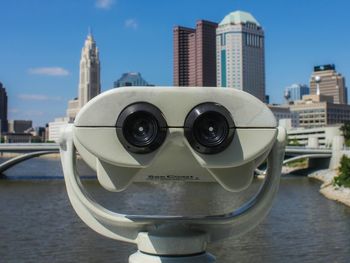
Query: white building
point(240, 58)
point(89, 84)
point(323, 135)
point(73, 109)
point(55, 128)
point(89, 79)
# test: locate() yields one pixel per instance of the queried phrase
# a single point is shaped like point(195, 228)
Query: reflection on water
point(38, 224)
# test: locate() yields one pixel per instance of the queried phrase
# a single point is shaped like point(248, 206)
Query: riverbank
point(336, 193)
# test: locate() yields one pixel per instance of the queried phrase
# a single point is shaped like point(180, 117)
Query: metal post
point(140, 257)
point(172, 244)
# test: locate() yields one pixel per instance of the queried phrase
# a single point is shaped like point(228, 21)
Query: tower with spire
point(89, 78)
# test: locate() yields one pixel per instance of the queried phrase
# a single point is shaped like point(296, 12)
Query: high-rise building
point(194, 55)
point(20, 126)
point(89, 78)
point(240, 54)
point(326, 81)
point(295, 92)
point(3, 109)
point(181, 55)
point(130, 79)
point(89, 84)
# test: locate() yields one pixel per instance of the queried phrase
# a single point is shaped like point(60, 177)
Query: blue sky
point(41, 42)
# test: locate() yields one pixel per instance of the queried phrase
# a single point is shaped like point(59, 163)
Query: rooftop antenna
point(89, 31)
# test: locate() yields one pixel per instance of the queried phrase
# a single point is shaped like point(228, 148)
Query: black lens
point(141, 128)
point(209, 128)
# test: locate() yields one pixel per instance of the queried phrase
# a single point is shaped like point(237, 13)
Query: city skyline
point(41, 44)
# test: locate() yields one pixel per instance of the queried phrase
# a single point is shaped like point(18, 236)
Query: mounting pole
point(172, 244)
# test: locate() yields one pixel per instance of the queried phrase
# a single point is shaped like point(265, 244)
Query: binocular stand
point(171, 239)
point(172, 244)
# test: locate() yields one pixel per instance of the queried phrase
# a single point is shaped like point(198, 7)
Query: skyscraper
point(181, 55)
point(3, 108)
point(130, 79)
point(326, 81)
point(21, 126)
point(89, 79)
point(194, 55)
point(89, 84)
point(240, 54)
point(295, 92)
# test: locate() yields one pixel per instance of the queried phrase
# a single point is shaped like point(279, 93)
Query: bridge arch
point(296, 158)
point(21, 158)
point(299, 157)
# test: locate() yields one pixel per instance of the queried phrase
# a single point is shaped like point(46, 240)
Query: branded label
point(172, 178)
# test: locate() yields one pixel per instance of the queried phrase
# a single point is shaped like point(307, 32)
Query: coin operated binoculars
point(139, 133)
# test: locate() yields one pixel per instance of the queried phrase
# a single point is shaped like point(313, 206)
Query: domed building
point(240, 54)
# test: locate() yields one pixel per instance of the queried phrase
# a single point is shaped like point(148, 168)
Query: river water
point(38, 224)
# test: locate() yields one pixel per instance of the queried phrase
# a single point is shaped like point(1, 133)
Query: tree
point(293, 142)
point(343, 178)
point(345, 129)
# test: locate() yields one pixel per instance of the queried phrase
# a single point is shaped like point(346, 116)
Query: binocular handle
point(127, 227)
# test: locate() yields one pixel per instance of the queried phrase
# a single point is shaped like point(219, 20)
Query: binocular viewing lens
point(209, 128)
point(141, 128)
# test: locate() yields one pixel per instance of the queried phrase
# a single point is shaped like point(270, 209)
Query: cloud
point(131, 23)
point(32, 113)
point(104, 4)
point(38, 97)
point(26, 113)
point(49, 71)
point(13, 110)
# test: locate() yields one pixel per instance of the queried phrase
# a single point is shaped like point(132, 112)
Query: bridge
point(28, 147)
point(298, 150)
point(318, 157)
point(28, 150)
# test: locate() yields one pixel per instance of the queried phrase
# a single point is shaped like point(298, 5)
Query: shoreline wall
point(336, 193)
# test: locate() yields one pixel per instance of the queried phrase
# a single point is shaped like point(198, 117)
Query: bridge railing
point(28, 147)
